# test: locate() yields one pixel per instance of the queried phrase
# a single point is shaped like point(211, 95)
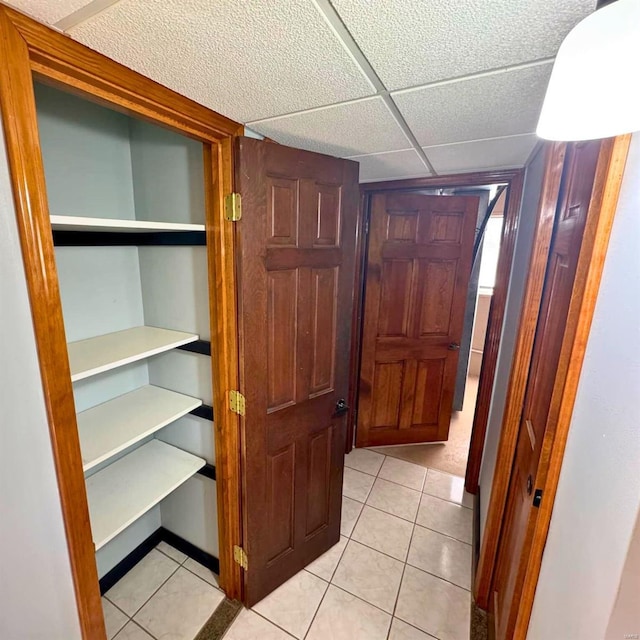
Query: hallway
point(401, 571)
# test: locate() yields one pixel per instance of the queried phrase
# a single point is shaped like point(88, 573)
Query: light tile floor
point(401, 571)
point(166, 596)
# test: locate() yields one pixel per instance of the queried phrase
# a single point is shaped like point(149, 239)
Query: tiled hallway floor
point(402, 568)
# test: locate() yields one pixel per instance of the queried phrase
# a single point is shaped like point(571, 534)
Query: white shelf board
point(102, 353)
point(76, 223)
point(112, 426)
point(124, 491)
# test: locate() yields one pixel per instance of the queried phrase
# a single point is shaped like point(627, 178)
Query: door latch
point(341, 407)
point(454, 346)
point(537, 498)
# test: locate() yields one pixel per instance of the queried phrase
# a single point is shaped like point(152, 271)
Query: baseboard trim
point(146, 546)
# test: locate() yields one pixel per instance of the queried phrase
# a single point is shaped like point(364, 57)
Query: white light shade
point(594, 90)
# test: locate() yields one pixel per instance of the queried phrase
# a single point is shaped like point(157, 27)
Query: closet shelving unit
point(133, 281)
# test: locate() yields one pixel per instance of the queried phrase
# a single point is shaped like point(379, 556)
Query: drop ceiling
point(408, 88)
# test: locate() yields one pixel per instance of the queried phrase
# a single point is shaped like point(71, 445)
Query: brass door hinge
point(237, 403)
point(233, 207)
point(240, 556)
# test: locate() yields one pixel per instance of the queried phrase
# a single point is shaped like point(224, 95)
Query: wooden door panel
point(437, 282)
point(418, 269)
point(395, 298)
point(282, 218)
point(425, 408)
point(324, 283)
point(282, 293)
point(296, 249)
point(319, 480)
point(538, 414)
point(387, 394)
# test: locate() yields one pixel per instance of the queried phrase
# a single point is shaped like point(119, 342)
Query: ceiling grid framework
point(407, 88)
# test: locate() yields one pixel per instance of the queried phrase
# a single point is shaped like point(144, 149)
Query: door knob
point(341, 407)
point(454, 346)
point(529, 485)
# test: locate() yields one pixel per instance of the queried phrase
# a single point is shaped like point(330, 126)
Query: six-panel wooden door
point(296, 255)
point(417, 274)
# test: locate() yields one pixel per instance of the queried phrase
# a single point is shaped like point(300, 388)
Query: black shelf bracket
point(126, 239)
point(197, 346)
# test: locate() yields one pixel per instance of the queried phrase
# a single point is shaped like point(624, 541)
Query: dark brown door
point(296, 248)
point(537, 421)
point(418, 268)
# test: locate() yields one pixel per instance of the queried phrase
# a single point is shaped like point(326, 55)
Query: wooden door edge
point(356, 321)
point(493, 334)
point(602, 209)
point(224, 362)
point(30, 48)
point(519, 371)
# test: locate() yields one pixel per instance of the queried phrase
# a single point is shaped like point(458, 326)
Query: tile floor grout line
point(104, 595)
point(375, 606)
point(275, 624)
point(413, 626)
point(404, 568)
point(154, 593)
point(201, 578)
point(364, 504)
point(446, 535)
point(324, 595)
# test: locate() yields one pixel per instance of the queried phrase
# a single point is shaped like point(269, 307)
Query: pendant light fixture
point(594, 90)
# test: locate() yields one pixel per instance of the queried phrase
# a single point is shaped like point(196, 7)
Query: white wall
point(520, 267)
point(599, 490)
point(625, 617)
point(36, 591)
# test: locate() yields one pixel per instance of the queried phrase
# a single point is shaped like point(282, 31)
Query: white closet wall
point(103, 164)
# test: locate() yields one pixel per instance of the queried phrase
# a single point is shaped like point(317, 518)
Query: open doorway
point(472, 341)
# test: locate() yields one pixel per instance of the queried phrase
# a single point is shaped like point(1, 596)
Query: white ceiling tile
point(490, 106)
point(355, 128)
point(413, 42)
point(391, 165)
point(479, 155)
point(46, 10)
point(247, 60)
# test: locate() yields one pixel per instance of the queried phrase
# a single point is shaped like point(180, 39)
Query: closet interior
point(127, 205)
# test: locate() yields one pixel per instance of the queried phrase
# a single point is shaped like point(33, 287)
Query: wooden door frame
point(602, 207)
point(29, 49)
point(514, 179)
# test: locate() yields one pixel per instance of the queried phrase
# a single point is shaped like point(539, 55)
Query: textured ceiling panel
point(491, 106)
point(482, 154)
point(247, 60)
point(49, 11)
point(356, 128)
point(412, 42)
point(388, 166)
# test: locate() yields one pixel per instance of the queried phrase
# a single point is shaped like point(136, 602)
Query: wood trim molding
point(29, 49)
point(519, 371)
point(602, 208)
point(29, 194)
point(58, 59)
point(493, 334)
point(477, 178)
point(225, 363)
